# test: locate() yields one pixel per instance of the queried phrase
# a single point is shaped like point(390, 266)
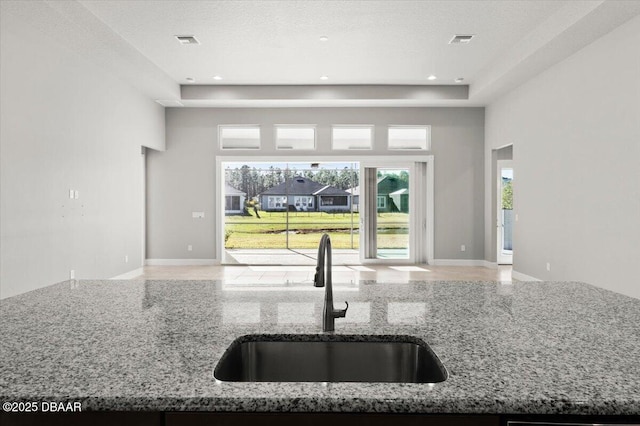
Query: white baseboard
point(464, 262)
point(181, 262)
point(129, 275)
point(523, 277)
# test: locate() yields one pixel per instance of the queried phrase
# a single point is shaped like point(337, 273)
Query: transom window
point(352, 137)
point(410, 137)
point(296, 137)
point(239, 136)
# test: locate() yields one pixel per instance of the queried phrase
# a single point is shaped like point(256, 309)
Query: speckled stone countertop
point(543, 347)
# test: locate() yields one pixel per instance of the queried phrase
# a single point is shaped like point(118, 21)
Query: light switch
point(71, 193)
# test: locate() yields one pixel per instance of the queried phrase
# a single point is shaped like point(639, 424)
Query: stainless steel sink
point(329, 358)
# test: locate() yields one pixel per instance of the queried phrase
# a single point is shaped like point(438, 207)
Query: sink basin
point(329, 358)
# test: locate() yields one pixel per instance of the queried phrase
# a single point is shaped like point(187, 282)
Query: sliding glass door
point(377, 210)
point(290, 205)
point(394, 223)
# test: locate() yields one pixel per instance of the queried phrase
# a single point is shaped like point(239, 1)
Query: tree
point(507, 195)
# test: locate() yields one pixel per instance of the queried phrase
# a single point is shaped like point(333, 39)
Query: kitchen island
point(522, 348)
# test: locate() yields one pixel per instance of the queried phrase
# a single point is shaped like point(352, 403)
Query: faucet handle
point(341, 313)
point(317, 281)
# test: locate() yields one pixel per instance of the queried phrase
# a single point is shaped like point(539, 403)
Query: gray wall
point(575, 131)
point(68, 124)
point(182, 179)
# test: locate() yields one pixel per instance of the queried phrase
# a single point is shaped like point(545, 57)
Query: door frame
point(501, 259)
point(421, 207)
point(425, 249)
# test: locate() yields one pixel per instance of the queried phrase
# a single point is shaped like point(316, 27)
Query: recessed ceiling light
point(324, 77)
point(217, 77)
point(459, 80)
point(187, 39)
point(431, 77)
point(324, 38)
point(190, 79)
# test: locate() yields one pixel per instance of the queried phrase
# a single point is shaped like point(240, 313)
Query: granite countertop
point(541, 348)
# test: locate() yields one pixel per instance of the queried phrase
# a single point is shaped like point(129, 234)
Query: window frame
point(221, 127)
point(409, 126)
point(352, 126)
point(277, 201)
point(295, 126)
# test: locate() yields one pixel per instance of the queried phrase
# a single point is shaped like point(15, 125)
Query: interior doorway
point(505, 212)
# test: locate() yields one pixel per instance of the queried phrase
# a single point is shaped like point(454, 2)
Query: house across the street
point(233, 200)
point(393, 195)
point(303, 194)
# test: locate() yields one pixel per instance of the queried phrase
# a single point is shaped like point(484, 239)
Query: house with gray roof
point(304, 194)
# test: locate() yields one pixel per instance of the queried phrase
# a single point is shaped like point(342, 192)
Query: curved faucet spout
point(323, 279)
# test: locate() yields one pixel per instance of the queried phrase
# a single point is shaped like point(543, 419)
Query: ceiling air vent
point(461, 38)
point(187, 39)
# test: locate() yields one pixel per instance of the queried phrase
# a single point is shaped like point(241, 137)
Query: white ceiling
point(277, 42)
point(267, 43)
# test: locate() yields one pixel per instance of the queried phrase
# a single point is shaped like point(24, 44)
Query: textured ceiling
point(277, 42)
point(379, 53)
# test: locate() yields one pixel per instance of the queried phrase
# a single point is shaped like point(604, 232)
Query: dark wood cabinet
point(323, 419)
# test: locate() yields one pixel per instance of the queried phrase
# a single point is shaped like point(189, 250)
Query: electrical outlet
point(189, 247)
point(463, 248)
point(548, 266)
point(72, 274)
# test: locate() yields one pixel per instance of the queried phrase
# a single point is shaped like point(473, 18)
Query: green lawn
point(306, 228)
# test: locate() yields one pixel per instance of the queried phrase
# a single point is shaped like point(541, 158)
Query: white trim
point(129, 275)
point(373, 158)
point(523, 277)
point(463, 262)
point(431, 206)
point(404, 161)
point(143, 241)
point(181, 262)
